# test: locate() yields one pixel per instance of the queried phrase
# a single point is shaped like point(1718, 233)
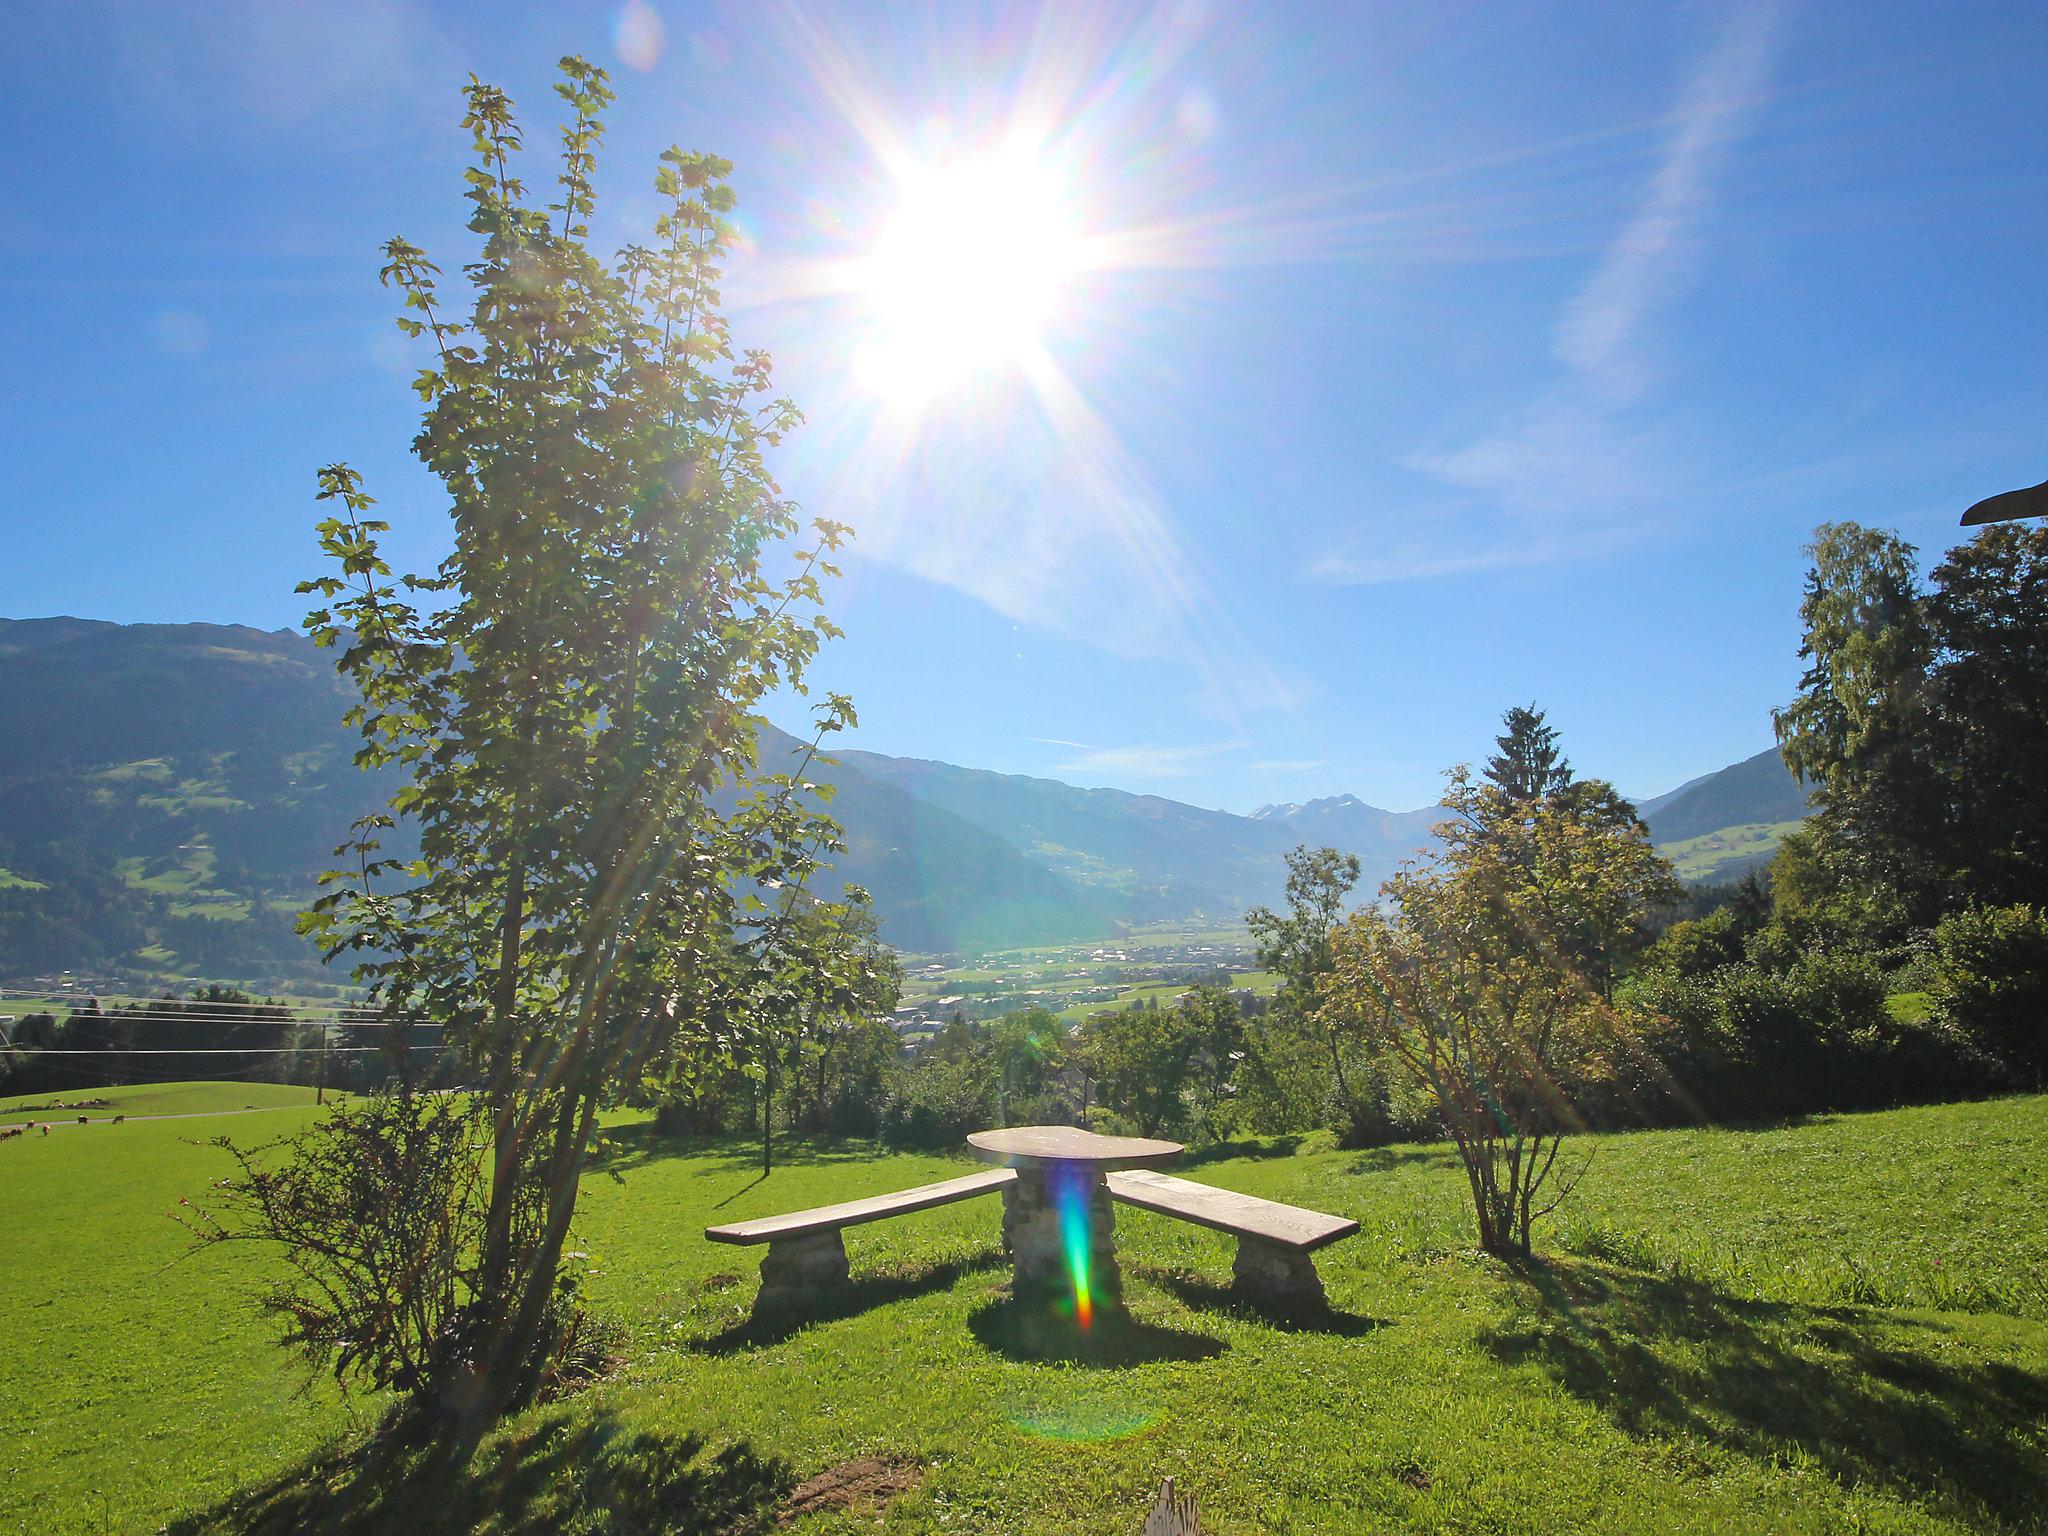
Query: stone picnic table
point(1058, 1222)
point(1059, 1225)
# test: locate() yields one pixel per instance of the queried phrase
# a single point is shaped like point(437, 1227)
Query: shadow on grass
point(1840, 1385)
point(1403, 1155)
point(1252, 1150)
point(1206, 1295)
point(1116, 1341)
point(862, 1294)
point(557, 1472)
point(627, 1147)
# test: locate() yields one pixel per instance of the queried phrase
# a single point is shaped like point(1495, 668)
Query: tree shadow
point(756, 1182)
point(556, 1471)
point(1411, 1154)
point(626, 1147)
point(1251, 1150)
point(1045, 1335)
point(1203, 1294)
point(862, 1294)
point(1664, 1355)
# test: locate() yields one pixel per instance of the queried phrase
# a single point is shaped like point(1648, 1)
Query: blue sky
point(1447, 356)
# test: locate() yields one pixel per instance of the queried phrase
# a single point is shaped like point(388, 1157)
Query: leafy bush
point(1699, 946)
point(935, 1104)
point(1750, 1040)
point(378, 1209)
point(1987, 982)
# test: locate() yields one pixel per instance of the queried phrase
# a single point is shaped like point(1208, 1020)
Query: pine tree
point(1528, 765)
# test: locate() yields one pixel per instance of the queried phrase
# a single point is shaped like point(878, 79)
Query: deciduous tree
point(570, 694)
point(1481, 977)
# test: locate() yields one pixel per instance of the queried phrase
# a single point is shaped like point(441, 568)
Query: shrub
point(378, 1209)
point(1752, 1041)
point(934, 1104)
point(1699, 946)
point(1987, 982)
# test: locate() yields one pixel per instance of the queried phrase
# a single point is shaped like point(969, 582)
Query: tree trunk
point(507, 1135)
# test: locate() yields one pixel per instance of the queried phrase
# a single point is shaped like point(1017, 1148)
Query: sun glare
point(969, 270)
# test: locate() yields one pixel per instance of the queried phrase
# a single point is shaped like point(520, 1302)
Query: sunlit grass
point(1658, 1372)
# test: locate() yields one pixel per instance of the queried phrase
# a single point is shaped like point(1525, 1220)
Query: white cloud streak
point(1149, 762)
point(1577, 469)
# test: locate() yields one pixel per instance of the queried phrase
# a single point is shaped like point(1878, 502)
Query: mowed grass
point(155, 1099)
point(1825, 1327)
point(136, 1379)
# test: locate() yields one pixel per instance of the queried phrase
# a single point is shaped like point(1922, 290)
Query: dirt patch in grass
point(864, 1485)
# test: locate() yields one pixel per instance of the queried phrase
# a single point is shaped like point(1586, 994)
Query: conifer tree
point(1528, 765)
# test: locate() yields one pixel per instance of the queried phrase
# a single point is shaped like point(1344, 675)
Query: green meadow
point(1710, 855)
point(1838, 1325)
point(154, 1099)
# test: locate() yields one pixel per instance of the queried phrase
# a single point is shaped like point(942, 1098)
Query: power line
point(210, 1050)
point(257, 1022)
point(132, 1000)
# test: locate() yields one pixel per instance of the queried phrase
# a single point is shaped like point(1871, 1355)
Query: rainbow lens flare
point(1071, 1188)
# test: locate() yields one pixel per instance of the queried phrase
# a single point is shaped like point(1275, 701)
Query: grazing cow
point(83, 1121)
point(119, 1118)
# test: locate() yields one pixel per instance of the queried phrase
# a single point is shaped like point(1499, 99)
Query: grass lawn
point(1833, 1326)
point(156, 1099)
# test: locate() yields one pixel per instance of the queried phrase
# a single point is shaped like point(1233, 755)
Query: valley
point(177, 789)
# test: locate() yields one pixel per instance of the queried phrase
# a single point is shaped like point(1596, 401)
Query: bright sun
point(968, 271)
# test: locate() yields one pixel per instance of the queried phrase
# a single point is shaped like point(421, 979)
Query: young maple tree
point(1483, 979)
point(604, 868)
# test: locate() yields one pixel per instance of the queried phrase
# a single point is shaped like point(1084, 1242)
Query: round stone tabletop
point(1037, 1146)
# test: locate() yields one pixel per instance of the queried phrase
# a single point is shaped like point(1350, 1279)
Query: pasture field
point(1837, 1325)
point(154, 1099)
point(1263, 983)
point(1711, 855)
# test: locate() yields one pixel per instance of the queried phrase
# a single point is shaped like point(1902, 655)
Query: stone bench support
point(806, 1260)
point(1275, 1242)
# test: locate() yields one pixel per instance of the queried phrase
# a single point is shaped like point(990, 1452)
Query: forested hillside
point(170, 792)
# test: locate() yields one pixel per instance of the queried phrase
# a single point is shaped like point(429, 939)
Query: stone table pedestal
point(1060, 1230)
point(1058, 1223)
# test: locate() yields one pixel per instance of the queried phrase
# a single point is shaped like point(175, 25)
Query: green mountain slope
point(940, 882)
point(1758, 790)
point(1148, 857)
point(169, 793)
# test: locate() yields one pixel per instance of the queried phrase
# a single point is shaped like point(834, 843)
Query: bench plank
point(852, 1213)
point(1226, 1210)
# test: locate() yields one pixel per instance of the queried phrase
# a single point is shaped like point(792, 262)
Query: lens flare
point(967, 274)
point(1070, 1191)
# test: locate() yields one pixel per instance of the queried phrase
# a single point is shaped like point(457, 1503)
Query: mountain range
point(168, 792)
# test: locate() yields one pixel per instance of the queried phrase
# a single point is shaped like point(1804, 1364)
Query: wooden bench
point(1274, 1241)
point(806, 1254)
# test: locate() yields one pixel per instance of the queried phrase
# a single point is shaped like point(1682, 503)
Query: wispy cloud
point(1149, 762)
point(1577, 468)
point(287, 63)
